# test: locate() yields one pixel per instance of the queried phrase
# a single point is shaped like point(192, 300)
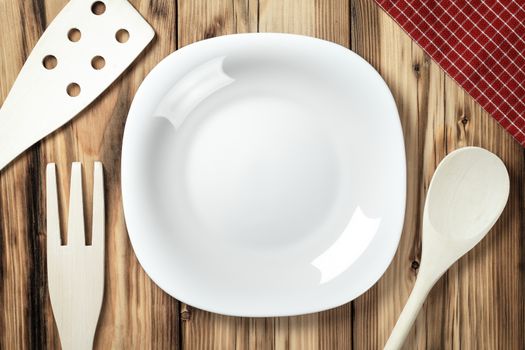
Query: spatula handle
point(80, 341)
point(421, 289)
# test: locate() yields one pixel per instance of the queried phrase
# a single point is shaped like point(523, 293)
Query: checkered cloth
point(479, 43)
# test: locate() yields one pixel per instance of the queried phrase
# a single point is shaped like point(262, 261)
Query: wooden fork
point(75, 271)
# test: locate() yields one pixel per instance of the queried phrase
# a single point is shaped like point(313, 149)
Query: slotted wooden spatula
point(86, 47)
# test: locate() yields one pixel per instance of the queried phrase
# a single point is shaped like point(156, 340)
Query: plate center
point(259, 170)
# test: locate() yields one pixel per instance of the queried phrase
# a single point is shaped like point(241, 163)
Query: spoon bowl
point(467, 195)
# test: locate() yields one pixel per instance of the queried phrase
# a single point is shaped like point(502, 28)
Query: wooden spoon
point(465, 199)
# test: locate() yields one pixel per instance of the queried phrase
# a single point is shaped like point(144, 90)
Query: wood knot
point(415, 265)
point(185, 315)
point(416, 67)
point(214, 29)
point(159, 9)
point(464, 120)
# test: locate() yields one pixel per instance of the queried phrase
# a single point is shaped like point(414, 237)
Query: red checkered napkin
point(481, 44)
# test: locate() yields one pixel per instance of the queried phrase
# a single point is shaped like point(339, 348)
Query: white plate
point(264, 175)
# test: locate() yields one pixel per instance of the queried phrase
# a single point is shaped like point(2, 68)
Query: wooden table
point(478, 304)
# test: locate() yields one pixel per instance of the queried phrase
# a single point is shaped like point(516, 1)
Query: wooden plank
point(23, 320)
point(323, 19)
point(379, 40)
point(490, 300)
point(327, 20)
point(198, 20)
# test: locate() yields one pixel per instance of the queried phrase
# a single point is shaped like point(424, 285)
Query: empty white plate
point(264, 175)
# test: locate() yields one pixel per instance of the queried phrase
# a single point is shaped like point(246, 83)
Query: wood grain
point(478, 304)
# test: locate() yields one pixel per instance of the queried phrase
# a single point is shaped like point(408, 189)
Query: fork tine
point(98, 206)
point(75, 226)
point(53, 223)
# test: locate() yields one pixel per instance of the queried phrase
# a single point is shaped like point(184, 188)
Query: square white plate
point(264, 175)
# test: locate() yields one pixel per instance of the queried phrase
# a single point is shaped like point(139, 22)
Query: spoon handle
point(419, 293)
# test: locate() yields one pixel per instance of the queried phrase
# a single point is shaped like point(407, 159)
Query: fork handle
point(75, 272)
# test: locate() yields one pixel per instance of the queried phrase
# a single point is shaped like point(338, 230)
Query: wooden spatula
point(86, 47)
point(75, 271)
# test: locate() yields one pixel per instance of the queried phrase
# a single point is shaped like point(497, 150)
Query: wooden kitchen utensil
point(86, 47)
point(75, 271)
point(466, 196)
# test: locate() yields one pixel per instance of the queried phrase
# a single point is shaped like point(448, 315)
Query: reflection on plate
point(264, 175)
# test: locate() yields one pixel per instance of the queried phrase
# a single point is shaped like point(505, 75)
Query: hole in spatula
point(49, 62)
point(74, 35)
point(98, 8)
point(98, 62)
point(73, 89)
point(122, 36)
